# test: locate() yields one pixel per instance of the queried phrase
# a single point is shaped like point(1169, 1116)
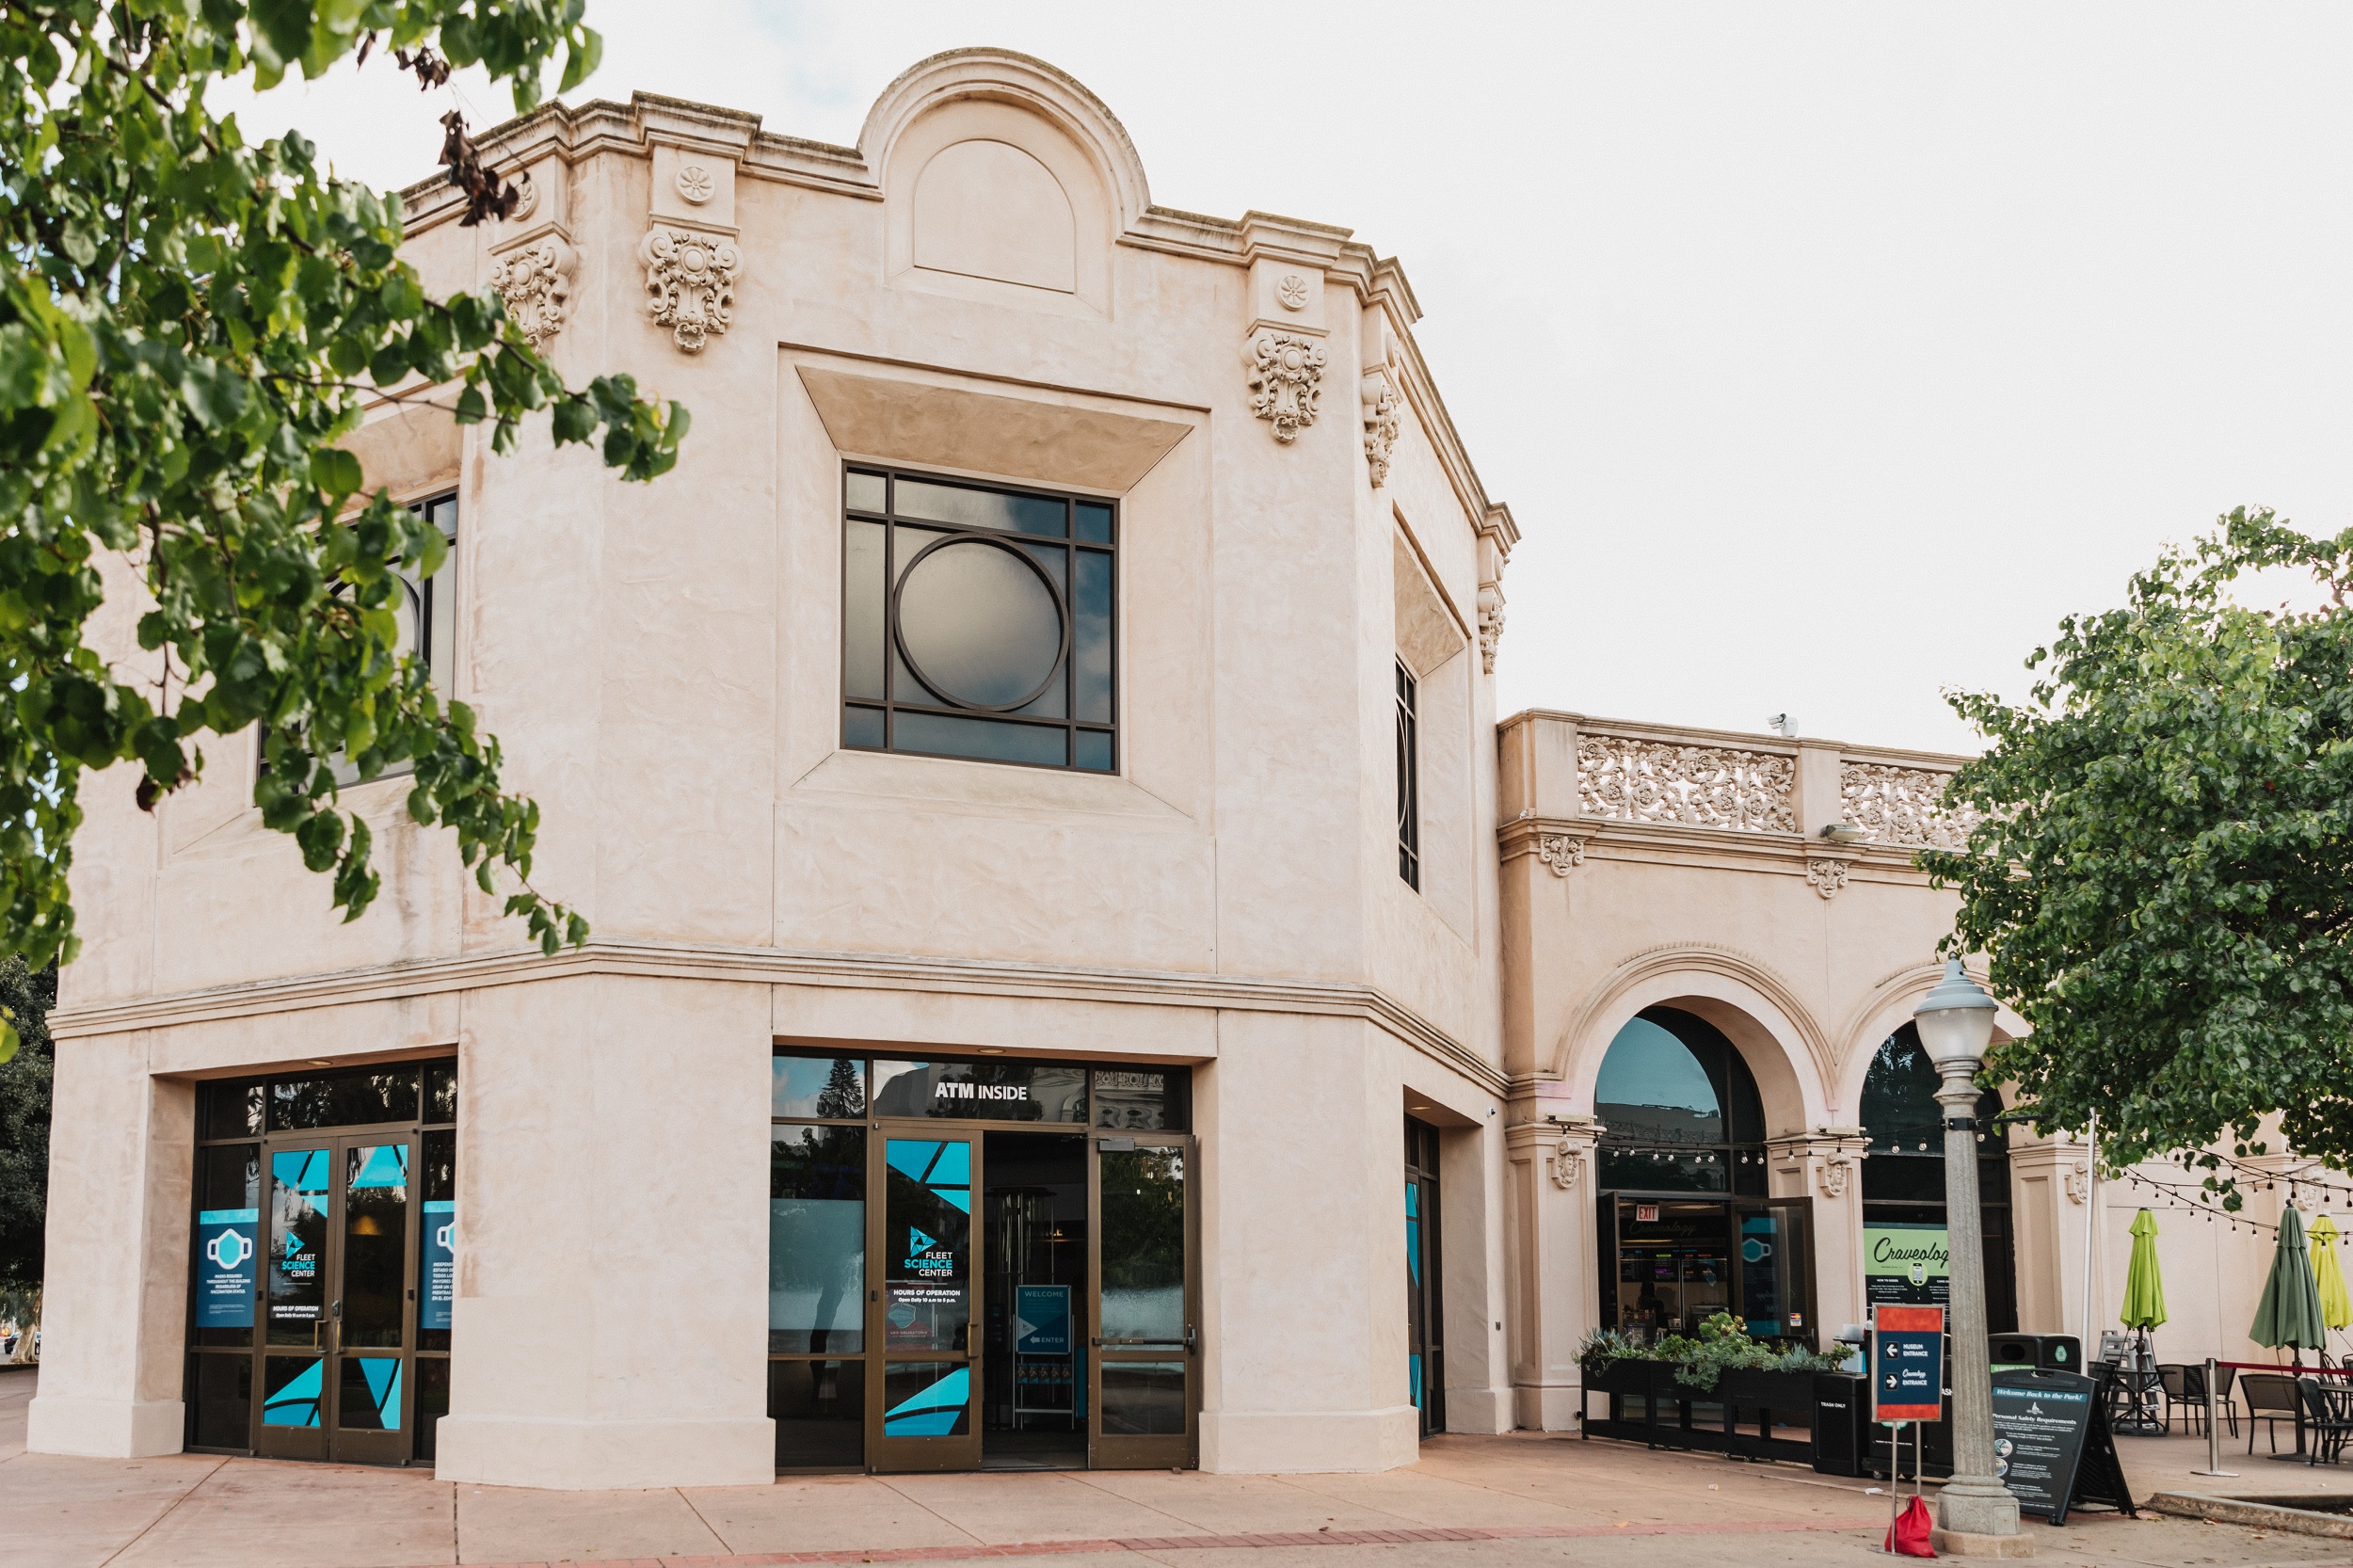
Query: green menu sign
point(1906, 1265)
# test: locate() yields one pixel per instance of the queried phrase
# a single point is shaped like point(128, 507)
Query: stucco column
point(1552, 1254)
point(1304, 1360)
point(1826, 1165)
point(114, 1312)
point(611, 1324)
point(2050, 1183)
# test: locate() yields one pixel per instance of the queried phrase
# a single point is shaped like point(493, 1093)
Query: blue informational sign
point(1908, 1364)
point(226, 1249)
point(1041, 1320)
point(439, 1263)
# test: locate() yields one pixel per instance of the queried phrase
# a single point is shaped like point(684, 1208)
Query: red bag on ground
point(1909, 1535)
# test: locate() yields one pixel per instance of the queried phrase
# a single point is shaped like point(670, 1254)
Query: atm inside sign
point(1908, 1364)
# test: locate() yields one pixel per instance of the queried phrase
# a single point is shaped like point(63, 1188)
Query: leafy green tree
point(27, 994)
point(2163, 877)
point(189, 325)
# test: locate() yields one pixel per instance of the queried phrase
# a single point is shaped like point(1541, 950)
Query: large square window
point(977, 621)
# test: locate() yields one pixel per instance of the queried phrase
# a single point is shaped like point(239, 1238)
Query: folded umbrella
point(2289, 1312)
point(2336, 1304)
point(2144, 1286)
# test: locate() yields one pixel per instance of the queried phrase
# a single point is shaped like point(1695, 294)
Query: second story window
point(427, 607)
point(1408, 782)
point(976, 622)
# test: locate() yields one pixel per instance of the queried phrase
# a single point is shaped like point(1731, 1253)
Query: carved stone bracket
point(1381, 402)
point(1902, 806)
point(1285, 381)
point(535, 283)
point(1748, 791)
point(689, 283)
point(2078, 1183)
point(1568, 1154)
point(1561, 852)
point(1833, 1154)
point(1827, 877)
point(1489, 623)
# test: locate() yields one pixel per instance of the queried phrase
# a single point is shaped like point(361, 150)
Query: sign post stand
point(1907, 1387)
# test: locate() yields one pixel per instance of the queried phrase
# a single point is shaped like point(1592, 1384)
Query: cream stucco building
point(1080, 974)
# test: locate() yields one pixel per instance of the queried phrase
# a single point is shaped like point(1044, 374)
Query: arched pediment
point(1004, 180)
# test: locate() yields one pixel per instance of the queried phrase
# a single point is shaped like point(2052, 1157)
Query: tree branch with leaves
point(2163, 877)
point(191, 329)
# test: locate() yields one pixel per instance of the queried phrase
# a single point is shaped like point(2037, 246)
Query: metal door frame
point(904, 1455)
point(1116, 1451)
point(328, 1440)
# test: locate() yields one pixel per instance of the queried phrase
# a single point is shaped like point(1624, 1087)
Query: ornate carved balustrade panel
point(1746, 792)
point(1902, 806)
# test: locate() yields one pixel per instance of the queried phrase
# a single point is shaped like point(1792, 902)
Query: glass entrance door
point(926, 1407)
point(339, 1250)
point(1774, 1269)
point(1144, 1369)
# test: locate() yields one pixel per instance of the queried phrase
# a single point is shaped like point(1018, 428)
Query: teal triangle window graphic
point(916, 1240)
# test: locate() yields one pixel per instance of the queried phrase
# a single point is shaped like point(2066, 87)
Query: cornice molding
point(1723, 849)
point(780, 967)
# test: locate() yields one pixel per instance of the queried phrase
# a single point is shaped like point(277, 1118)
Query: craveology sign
point(1907, 1265)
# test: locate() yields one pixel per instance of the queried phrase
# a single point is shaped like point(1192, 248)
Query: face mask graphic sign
point(225, 1252)
point(439, 1271)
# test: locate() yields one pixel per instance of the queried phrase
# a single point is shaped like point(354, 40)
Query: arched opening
point(1903, 1187)
point(1687, 1228)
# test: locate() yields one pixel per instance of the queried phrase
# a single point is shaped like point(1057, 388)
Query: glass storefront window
point(299, 1199)
point(825, 1088)
point(342, 1099)
point(1144, 1245)
point(982, 1091)
point(1679, 1109)
point(820, 1412)
point(1143, 1100)
point(816, 1240)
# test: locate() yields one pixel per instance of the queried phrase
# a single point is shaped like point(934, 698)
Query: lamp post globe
point(1976, 1514)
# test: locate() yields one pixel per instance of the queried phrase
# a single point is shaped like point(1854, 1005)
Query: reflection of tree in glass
point(817, 1165)
point(1144, 1219)
point(841, 1098)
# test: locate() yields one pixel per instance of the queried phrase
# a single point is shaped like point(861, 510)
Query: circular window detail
point(981, 623)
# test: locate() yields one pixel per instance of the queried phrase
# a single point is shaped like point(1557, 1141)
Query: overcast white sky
point(1826, 354)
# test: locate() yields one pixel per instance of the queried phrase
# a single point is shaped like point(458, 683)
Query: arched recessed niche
point(987, 209)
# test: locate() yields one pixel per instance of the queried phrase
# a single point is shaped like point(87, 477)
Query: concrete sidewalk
point(1499, 1501)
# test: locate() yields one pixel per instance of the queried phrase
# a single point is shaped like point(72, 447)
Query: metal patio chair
point(2271, 1397)
point(2173, 1381)
point(2225, 1378)
point(2328, 1416)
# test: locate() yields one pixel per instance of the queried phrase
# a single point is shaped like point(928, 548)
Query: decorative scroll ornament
point(535, 283)
point(1292, 291)
point(1566, 1158)
point(690, 281)
point(1285, 381)
point(1747, 791)
point(1827, 877)
point(1489, 623)
point(2079, 1184)
point(1561, 852)
point(695, 184)
point(1903, 805)
point(526, 199)
point(1832, 1174)
point(1381, 401)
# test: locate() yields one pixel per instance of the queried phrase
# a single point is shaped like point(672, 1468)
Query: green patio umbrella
point(2144, 1288)
point(2336, 1304)
point(2289, 1312)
